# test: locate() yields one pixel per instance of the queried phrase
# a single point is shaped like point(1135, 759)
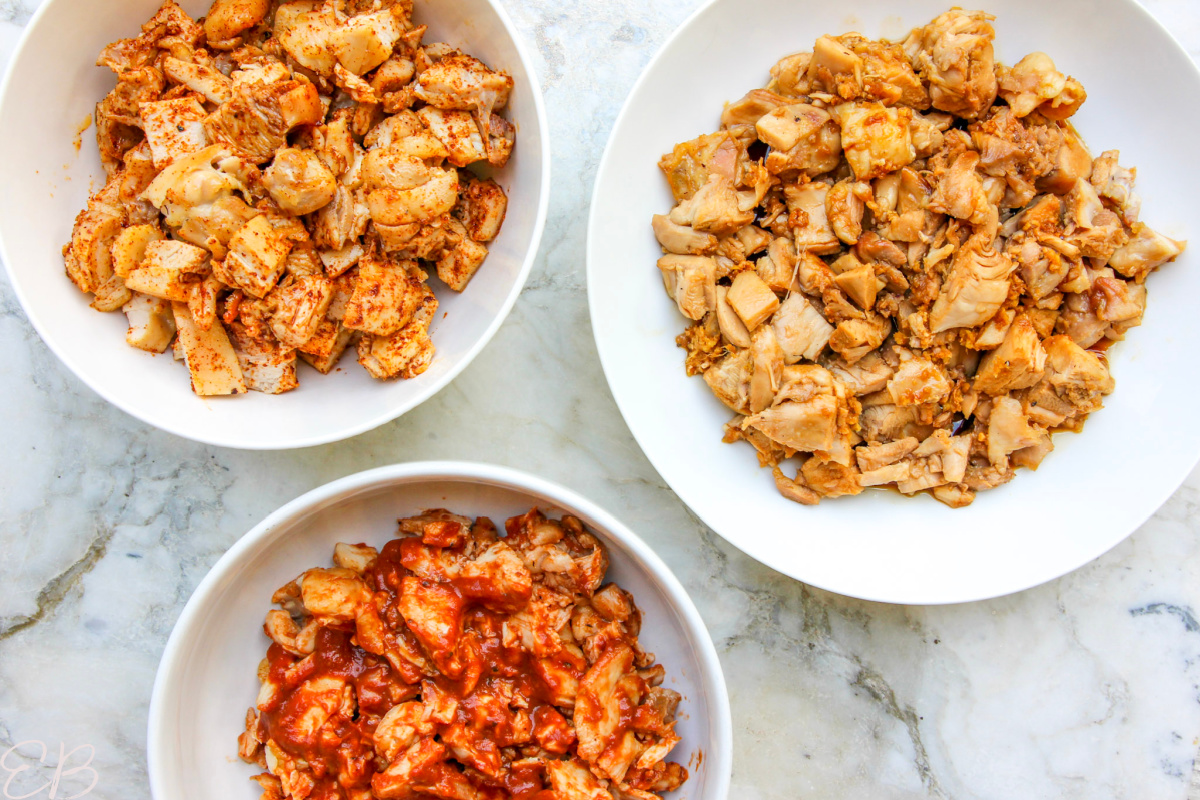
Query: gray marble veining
point(1083, 688)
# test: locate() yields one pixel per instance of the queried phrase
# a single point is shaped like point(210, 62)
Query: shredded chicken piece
point(283, 176)
point(897, 257)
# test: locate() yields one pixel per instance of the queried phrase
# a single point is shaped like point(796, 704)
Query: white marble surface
point(1088, 687)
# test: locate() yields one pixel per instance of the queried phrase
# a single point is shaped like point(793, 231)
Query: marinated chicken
point(902, 265)
point(283, 176)
point(463, 663)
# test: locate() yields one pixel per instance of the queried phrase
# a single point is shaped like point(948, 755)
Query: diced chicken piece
point(406, 353)
point(811, 135)
point(89, 256)
point(129, 248)
point(688, 166)
point(1119, 301)
point(1070, 162)
point(691, 282)
point(874, 457)
point(482, 208)
point(974, 290)
point(598, 704)
point(889, 473)
point(385, 298)
point(960, 193)
point(715, 208)
point(458, 132)
point(1092, 228)
point(341, 222)
point(337, 594)
point(751, 108)
point(208, 81)
point(729, 380)
point(853, 67)
point(844, 207)
point(403, 777)
point(209, 355)
point(326, 347)
point(1034, 83)
point(795, 490)
point(267, 365)
point(1017, 363)
point(1008, 430)
point(801, 331)
point(299, 182)
point(338, 262)
point(151, 323)
point(166, 268)
point(730, 324)
point(307, 36)
point(854, 338)
point(571, 780)
point(919, 380)
point(888, 422)
point(464, 83)
point(830, 479)
point(228, 19)
point(875, 138)
point(953, 54)
point(682, 239)
point(459, 263)
point(174, 128)
point(255, 121)
point(752, 299)
point(1145, 252)
point(860, 285)
point(867, 375)
point(805, 415)
point(927, 132)
point(365, 41)
point(1076, 375)
point(766, 368)
point(1115, 183)
point(402, 189)
point(811, 230)
point(257, 257)
point(300, 309)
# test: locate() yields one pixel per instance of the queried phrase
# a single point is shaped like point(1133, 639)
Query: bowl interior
point(207, 677)
point(52, 89)
point(1090, 493)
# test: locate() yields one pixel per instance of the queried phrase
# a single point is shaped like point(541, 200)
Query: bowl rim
point(215, 437)
point(713, 680)
point(610, 362)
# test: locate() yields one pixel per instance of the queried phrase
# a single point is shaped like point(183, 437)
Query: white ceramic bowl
point(52, 87)
point(1089, 494)
point(206, 680)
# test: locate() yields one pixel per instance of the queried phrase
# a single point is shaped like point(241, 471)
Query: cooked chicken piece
point(844, 207)
point(853, 67)
point(830, 479)
point(800, 329)
point(257, 257)
point(960, 193)
point(1017, 363)
point(690, 164)
point(750, 109)
point(876, 139)
point(1069, 162)
point(802, 137)
point(751, 298)
point(341, 222)
point(715, 208)
point(256, 120)
point(228, 19)
point(386, 296)
point(682, 239)
point(869, 374)
point(805, 414)
point(458, 132)
point(860, 285)
point(730, 324)
point(1115, 183)
point(365, 41)
point(918, 381)
point(166, 270)
point(766, 368)
point(1076, 375)
point(887, 422)
point(459, 263)
point(1034, 84)
point(1008, 430)
point(403, 188)
point(974, 289)
point(1145, 252)
point(794, 490)
point(811, 230)
point(300, 309)
point(729, 380)
point(174, 128)
point(871, 458)
point(151, 323)
point(267, 365)
point(691, 282)
point(209, 355)
point(854, 338)
point(299, 182)
point(571, 780)
point(953, 54)
point(483, 206)
point(208, 81)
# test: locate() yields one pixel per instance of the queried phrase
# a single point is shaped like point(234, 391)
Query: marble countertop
point(1086, 687)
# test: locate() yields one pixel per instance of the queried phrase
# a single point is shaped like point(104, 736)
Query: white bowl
point(1090, 493)
point(206, 680)
point(52, 87)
